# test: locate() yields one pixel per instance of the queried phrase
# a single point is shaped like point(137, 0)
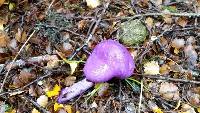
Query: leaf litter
point(65, 34)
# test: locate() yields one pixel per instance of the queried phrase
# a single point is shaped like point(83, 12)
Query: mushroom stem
point(74, 90)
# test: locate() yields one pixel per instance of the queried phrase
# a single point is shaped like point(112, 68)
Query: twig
point(92, 32)
point(22, 88)
point(157, 14)
point(140, 102)
point(6, 75)
point(31, 60)
point(171, 79)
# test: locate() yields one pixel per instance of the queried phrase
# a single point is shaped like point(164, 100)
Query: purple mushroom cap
point(109, 59)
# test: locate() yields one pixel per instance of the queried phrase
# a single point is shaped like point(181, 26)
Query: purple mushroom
point(108, 60)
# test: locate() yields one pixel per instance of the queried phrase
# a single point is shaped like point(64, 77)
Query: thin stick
point(171, 79)
point(140, 102)
point(158, 14)
point(6, 75)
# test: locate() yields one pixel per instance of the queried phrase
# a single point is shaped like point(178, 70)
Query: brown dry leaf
point(167, 19)
point(149, 22)
point(187, 109)
point(193, 98)
point(169, 91)
point(82, 24)
point(21, 36)
point(178, 43)
point(164, 69)
point(52, 64)
point(191, 56)
point(1, 2)
point(4, 39)
point(23, 78)
point(70, 80)
point(103, 91)
point(182, 21)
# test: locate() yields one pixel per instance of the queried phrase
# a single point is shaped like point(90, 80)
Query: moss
point(132, 32)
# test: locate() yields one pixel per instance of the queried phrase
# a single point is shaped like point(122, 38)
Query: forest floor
point(44, 45)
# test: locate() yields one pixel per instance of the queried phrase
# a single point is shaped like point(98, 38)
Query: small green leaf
point(11, 6)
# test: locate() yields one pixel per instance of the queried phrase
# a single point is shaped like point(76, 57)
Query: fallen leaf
point(4, 39)
point(178, 43)
point(73, 66)
point(42, 100)
point(149, 22)
point(151, 68)
point(35, 111)
point(191, 56)
point(70, 80)
point(21, 36)
point(1, 2)
point(187, 109)
point(93, 3)
point(52, 64)
point(68, 108)
point(11, 6)
point(169, 91)
point(57, 106)
point(164, 69)
point(182, 21)
point(53, 92)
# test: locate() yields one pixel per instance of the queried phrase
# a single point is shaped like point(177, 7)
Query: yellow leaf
point(176, 51)
point(11, 6)
point(68, 108)
point(53, 92)
point(73, 66)
point(35, 111)
point(57, 106)
point(151, 68)
point(157, 110)
point(11, 111)
point(198, 109)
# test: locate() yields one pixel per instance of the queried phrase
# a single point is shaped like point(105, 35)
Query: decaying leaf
point(151, 68)
point(21, 36)
point(4, 39)
point(182, 21)
point(53, 92)
point(178, 43)
point(149, 22)
point(191, 56)
point(70, 80)
point(187, 109)
point(169, 91)
point(52, 64)
point(23, 78)
point(164, 69)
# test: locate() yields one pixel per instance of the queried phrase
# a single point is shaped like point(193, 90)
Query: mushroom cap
point(109, 59)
